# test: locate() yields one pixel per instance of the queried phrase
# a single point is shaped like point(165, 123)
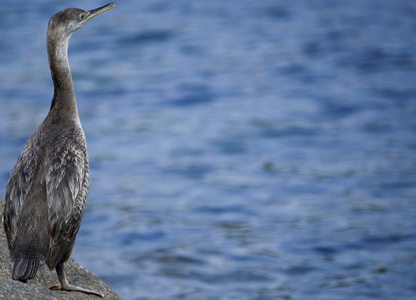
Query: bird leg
point(65, 286)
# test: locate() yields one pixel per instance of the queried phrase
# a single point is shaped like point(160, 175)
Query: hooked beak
point(97, 11)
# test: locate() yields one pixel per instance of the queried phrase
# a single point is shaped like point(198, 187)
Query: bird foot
point(69, 288)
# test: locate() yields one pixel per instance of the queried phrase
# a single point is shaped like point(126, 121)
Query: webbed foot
point(65, 286)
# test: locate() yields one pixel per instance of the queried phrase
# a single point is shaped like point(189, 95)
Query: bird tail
point(25, 268)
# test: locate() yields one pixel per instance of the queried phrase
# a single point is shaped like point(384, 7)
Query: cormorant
point(48, 187)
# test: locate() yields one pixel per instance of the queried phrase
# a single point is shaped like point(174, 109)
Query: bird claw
point(73, 288)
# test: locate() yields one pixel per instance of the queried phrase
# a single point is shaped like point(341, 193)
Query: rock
point(38, 288)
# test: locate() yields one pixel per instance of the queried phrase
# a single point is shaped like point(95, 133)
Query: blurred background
point(238, 149)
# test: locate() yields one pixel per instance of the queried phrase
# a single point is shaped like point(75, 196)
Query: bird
point(47, 189)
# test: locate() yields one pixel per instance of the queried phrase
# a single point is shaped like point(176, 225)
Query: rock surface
point(38, 288)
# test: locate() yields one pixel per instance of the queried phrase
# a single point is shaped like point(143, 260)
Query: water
point(238, 149)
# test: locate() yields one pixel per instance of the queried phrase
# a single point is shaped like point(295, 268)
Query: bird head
point(69, 20)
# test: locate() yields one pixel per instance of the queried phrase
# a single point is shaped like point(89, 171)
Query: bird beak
point(97, 11)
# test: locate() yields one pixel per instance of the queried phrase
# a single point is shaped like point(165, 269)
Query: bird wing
point(19, 184)
point(66, 191)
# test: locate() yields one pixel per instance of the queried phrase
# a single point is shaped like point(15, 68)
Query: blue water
point(238, 149)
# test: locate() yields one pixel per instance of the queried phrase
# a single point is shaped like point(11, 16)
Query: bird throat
point(64, 96)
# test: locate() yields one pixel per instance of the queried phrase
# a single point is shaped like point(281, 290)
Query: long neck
point(64, 101)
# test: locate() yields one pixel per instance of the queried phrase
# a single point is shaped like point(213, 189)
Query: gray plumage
point(48, 187)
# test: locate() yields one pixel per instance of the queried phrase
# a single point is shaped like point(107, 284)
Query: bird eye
point(82, 16)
